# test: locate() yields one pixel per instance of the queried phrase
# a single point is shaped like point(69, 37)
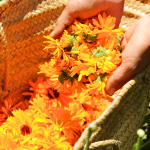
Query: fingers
point(115, 10)
point(65, 19)
point(135, 59)
point(123, 43)
point(119, 78)
point(86, 9)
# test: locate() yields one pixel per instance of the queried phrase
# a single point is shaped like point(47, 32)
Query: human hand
point(84, 9)
point(135, 55)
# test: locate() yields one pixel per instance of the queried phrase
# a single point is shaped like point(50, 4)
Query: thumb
point(65, 19)
point(123, 74)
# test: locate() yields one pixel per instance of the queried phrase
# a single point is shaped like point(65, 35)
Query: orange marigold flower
point(73, 95)
point(97, 87)
point(86, 32)
point(106, 22)
point(6, 107)
point(53, 92)
point(54, 47)
point(22, 123)
point(7, 142)
point(33, 88)
point(65, 40)
point(69, 120)
point(50, 69)
point(52, 139)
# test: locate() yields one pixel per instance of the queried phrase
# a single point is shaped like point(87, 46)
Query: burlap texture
point(22, 26)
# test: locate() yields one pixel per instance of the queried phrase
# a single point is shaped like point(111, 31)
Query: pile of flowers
point(72, 96)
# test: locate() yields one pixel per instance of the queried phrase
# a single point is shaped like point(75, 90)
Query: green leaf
point(65, 76)
point(60, 78)
point(146, 145)
point(134, 146)
point(91, 128)
point(119, 44)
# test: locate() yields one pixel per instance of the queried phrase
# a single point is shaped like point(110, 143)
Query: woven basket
point(22, 27)
point(23, 23)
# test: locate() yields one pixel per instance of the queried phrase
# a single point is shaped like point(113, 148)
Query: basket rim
point(108, 111)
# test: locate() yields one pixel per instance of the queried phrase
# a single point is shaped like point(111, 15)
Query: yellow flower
point(22, 123)
point(54, 47)
point(7, 142)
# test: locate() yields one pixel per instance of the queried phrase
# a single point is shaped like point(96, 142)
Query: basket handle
point(103, 144)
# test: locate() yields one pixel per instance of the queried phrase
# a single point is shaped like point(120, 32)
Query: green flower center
point(88, 37)
point(100, 52)
point(72, 40)
point(71, 46)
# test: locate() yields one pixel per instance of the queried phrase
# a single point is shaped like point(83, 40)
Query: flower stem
point(91, 128)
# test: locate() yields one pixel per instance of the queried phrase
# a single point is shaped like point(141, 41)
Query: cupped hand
point(135, 55)
point(84, 9)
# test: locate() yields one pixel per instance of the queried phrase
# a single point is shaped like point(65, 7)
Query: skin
point(135, 55)
point(84, 9)
point(135, 44)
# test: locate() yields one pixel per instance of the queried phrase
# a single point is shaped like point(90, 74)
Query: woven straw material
point(22, 27)
point(122, 118)
point(133, 10)
point(23, 23)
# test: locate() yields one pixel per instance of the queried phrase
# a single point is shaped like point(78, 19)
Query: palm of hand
point(85, 9)
point(135, 55)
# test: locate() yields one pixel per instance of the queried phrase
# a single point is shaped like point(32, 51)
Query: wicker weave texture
point(23, 25)
point(134, 10)
point(121, 120)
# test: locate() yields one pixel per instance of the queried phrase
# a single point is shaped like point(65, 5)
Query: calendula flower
point(97, 87)
point(6, 107)
point(33, 88)
point(65, 40)
point(86, 32)
point(51, 69)
point(7, 142)
point(40, 105)
point(91, 106)
point(100, 58)
point(54, 47)
point(99, 61)
point(22, 123)
point(73, 94)
point(107, 23)
point(104, 22)
point(68, 121)
point(53, 92)
point(52, 139)
point(23, 129)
